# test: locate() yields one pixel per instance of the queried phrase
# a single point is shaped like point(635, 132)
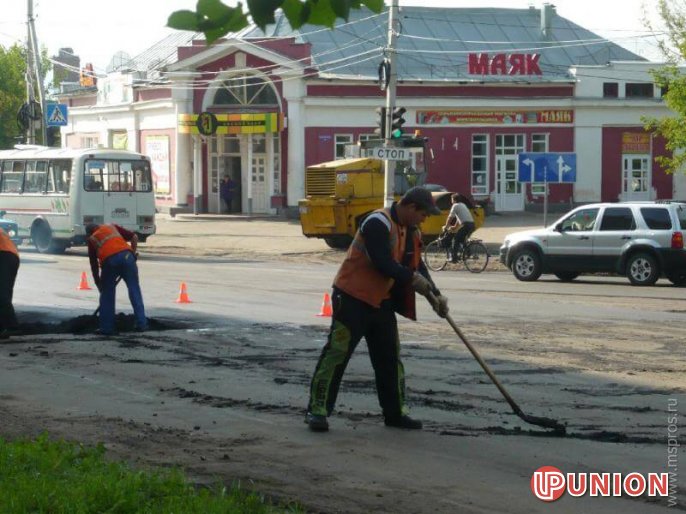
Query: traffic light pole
point(389, 169)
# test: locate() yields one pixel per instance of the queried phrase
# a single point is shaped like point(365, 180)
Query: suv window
point(618, 218)
point(681, 213)
point(580, 221)
point(657, 218)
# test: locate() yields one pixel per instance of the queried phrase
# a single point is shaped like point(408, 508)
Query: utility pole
point(34, 80)
point(389, 166)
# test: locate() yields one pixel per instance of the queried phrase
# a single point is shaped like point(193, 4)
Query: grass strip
point(59, 477)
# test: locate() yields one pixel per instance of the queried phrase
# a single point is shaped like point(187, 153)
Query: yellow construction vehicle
point(340, 194)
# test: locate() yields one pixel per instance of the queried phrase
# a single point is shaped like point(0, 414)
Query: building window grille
point(639, 90)
point(480, 164)
point(340, 140)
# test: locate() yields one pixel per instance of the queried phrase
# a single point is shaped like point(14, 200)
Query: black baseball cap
point(422, 198)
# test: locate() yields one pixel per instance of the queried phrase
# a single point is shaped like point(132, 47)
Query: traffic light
point(380, 131)
point(397, 122)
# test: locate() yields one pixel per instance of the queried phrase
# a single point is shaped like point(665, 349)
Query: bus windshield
point(117, 175)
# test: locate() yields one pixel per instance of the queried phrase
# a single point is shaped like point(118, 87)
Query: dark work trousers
point(9, 266)
point(353, 319)
point(460, 237)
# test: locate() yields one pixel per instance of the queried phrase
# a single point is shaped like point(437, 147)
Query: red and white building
point(482, 84)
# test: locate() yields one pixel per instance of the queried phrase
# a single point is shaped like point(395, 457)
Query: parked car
point(11, 228)
point(642, 240)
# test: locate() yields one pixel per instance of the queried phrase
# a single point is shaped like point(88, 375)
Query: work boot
point(403, 422)
point(317, 422)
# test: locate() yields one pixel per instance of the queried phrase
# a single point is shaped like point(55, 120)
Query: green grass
point(58, 477)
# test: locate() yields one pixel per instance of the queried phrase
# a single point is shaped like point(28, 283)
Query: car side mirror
point(558, 227)
point(2, 214)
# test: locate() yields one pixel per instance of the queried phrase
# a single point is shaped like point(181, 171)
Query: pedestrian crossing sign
point(56, 115)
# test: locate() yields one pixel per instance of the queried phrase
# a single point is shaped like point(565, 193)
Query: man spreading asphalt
point(9, 266)
point(108, 250)
point(379, 277)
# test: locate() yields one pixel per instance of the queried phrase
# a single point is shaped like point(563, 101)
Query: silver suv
point(642, 240)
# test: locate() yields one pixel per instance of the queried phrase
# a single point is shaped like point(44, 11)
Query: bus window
point(93, 179)
point(36, 175)
point(12, 176)
point(143, 180)
point(59, 176)
point(125, 176)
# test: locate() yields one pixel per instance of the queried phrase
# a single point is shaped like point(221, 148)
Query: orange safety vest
point(6, 244)
point(108, 241)
point(359, 278)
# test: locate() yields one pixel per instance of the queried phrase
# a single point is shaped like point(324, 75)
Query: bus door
point(120, 199)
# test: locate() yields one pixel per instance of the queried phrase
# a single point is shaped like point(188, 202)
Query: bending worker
point(379, 277)
point(9, 266)
point(108, 250)
point(459, 225)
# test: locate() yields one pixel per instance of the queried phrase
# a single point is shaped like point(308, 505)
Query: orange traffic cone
point(326, 311)
point(84, 282)
point(183, 294)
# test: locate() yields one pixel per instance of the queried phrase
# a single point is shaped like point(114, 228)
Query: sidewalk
point(242, 236)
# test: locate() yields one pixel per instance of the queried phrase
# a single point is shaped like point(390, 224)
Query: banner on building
point(120, 140)
point(258, 123)
point(495, 117)
point(157, 148)
point(635, 142)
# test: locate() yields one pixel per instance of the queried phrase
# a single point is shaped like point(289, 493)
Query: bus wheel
point(41, 235)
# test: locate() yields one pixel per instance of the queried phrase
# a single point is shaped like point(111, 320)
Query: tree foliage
point(12, 92)
point(672, 79)
point(215, 19)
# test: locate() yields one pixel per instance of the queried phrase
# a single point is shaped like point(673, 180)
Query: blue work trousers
point(122, 264)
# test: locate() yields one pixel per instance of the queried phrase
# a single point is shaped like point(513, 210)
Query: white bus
point(53, 193)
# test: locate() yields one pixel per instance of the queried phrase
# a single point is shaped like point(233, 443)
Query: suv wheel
point(566, 276)
point(526, 265)
point(641, 269)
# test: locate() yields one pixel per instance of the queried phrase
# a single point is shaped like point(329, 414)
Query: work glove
point(421, 284)
point(440, 305)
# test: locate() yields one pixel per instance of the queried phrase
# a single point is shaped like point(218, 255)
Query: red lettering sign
point(504, 64)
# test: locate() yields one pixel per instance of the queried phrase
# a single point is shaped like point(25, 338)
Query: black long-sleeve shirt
point(376, 231)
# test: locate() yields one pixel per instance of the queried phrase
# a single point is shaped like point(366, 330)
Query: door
point(616, 231)
point(570, 245)
point(636, 177)
point(258, 175)
point(509, 194)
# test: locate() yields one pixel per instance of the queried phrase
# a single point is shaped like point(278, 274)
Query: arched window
point(245, 91)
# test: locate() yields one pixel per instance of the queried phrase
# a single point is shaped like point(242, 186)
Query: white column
point(269, 169)
point(294, 92)
point(250, 171)
point(197, 175)
point(184, 149)
point(588, 145)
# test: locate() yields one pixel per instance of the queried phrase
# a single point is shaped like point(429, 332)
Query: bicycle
point(473, 254)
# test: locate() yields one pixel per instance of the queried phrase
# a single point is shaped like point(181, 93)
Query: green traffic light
point(396, 134)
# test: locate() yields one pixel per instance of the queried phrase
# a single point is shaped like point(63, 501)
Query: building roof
point(434, 43)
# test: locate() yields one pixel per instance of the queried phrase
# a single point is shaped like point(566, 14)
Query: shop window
point(610, 89)
point(539, 143)
point(479, 164)
point(639, 90)
point(340, 141)
point(277, 165)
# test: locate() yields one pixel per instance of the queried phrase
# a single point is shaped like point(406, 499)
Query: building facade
point(483, 85)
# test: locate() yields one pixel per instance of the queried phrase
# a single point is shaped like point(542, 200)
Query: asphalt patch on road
point(87, 324)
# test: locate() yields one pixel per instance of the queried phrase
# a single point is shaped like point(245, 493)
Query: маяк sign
point(504, 64)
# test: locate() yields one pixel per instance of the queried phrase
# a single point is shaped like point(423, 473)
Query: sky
point(96, 29)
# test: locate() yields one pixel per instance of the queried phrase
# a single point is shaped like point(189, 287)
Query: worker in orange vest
point(9, 266)
point(379, 277)
point(111, 258)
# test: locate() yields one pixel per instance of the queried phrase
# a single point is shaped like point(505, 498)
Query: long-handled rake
point(534, 420)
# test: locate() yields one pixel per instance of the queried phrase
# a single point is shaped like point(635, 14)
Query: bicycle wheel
point(475, 256)
point(435, 256)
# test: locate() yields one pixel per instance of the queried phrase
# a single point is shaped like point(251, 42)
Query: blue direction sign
point(56, 115)
point(547, 167)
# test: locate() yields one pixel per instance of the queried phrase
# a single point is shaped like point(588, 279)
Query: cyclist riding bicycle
point(459, 225)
